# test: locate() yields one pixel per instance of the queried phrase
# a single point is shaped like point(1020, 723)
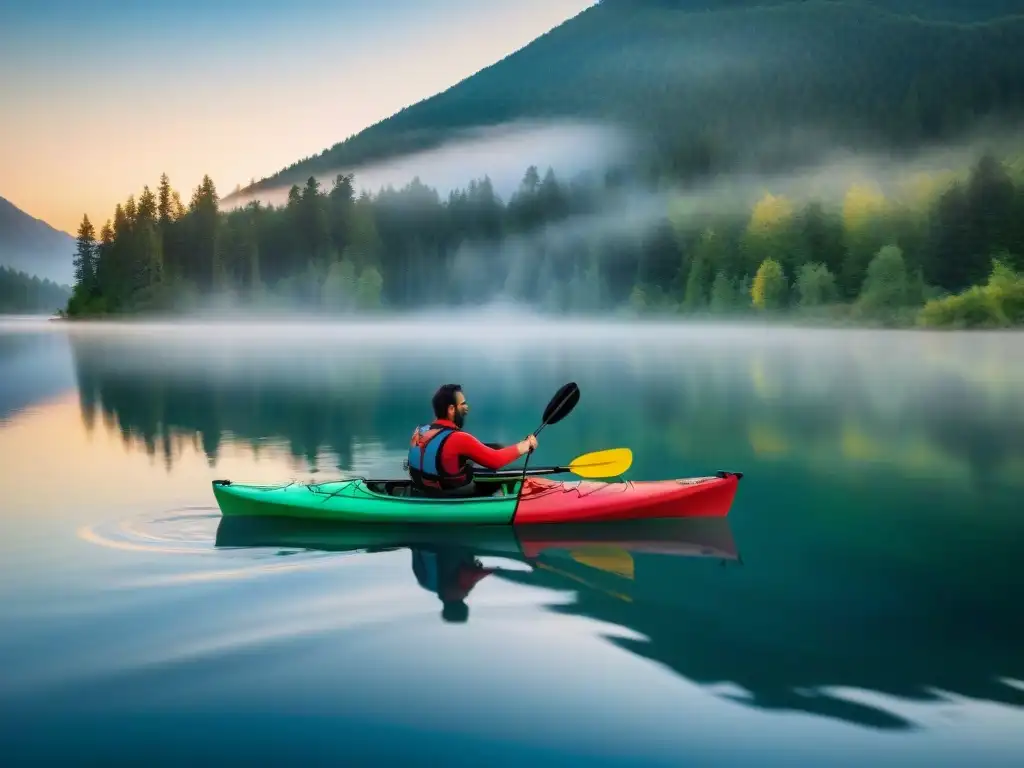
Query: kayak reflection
point(446, 559)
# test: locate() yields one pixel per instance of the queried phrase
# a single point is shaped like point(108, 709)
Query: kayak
point(359, 500)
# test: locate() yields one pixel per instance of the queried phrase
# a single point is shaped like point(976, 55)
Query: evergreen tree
point(85, 256)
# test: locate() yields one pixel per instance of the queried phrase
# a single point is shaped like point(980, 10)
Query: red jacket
point(461, 445)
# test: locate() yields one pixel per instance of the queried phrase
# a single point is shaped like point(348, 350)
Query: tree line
point(24, 293)
point(940, 252)
point(936, 252)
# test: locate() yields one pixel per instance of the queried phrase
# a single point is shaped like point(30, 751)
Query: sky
point(100, 97)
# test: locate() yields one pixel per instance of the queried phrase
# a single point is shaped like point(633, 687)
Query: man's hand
point(529, 444)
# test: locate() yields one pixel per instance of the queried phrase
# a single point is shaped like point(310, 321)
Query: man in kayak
point(440, 452)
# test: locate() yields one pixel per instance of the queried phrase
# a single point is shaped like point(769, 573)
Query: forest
point(21, 293)
point(933, 250)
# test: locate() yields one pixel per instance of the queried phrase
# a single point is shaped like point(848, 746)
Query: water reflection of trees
point(33, 367)
point(785, 641)
point(885, 407)
point(827, 401)
point(155, 404)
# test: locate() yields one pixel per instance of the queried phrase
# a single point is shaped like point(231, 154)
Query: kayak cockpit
point(405, 489)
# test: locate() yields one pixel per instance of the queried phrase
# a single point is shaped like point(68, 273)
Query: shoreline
point(543, 321)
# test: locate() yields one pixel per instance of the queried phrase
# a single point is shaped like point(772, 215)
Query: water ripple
point(191, 531)
point(182, 531)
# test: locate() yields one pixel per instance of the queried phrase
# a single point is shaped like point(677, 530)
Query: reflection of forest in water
point(33, 367)
point(785, 637)
point(930, 406)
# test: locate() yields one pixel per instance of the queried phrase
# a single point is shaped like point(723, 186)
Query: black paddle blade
point(561, 404)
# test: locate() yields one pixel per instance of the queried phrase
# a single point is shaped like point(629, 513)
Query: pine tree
point(85, 256)
point(164, 209)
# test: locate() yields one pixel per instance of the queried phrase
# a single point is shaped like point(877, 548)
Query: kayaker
point(440, 452)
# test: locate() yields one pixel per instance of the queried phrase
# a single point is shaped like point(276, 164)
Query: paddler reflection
point(450, 573)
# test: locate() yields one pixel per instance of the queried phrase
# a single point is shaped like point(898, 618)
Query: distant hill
point(30, 245)
point(23, 294)
point(710, 84)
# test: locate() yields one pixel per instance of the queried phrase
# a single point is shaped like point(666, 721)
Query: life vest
point(425, 459)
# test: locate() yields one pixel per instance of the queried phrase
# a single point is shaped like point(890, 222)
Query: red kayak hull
point(587, 501)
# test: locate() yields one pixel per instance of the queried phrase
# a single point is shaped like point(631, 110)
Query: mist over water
point(895, 392)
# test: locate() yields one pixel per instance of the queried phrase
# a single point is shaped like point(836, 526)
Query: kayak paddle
point(561, 405)
point(558, 408)
point(608, 463)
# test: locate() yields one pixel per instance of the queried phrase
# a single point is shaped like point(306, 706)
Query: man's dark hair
point(444, 397)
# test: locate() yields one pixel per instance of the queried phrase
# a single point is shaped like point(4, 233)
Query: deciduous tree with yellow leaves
point(769, 289)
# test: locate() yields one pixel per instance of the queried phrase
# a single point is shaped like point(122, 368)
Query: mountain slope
point(709, 84)
point(30, 245)
point(932, 10)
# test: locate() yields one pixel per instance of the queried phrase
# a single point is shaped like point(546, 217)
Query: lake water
point(863, 602)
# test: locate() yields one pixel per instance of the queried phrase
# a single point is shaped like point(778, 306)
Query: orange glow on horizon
point(72, 146)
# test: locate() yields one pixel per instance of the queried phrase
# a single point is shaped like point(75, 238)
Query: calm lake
point(863, 603)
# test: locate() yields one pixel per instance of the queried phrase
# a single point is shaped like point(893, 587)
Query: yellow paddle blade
point(610, 463)
point(609, 559)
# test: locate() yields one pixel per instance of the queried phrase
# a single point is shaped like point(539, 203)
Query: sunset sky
point(101, 96)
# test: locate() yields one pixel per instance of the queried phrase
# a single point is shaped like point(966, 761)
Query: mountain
point(30, 245)
point(933, 10)
point(705, 85)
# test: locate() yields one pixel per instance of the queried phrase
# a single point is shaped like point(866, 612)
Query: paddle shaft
point(506, 474)
point(550, 414)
